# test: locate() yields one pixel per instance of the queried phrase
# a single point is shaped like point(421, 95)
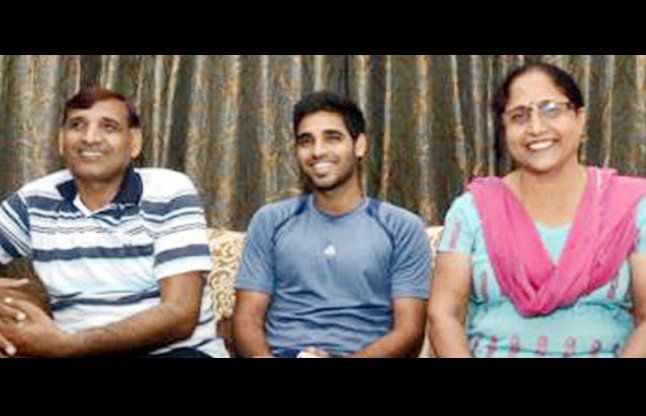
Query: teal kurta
point(598, 325)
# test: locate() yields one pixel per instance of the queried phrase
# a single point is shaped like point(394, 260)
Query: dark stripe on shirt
point(60, 305)
point(300, 208)
point(49, 204)
point(373, 212)
point(192, 213)
point(164, 208)
point(8, 246)
point(93, 252)
point(195, 250)
point(206, 321)
point(18, 206)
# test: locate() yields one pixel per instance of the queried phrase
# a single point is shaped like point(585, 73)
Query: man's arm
point(407, 335)
point(173, 319)
point(249, 324)
point(411, 268)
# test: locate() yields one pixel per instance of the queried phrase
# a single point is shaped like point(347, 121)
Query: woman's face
point(543, 131)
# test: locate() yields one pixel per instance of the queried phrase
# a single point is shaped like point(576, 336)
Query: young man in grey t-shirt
point(332, 273)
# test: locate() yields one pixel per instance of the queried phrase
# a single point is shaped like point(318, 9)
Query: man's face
point(97, 143)
point(326, 152)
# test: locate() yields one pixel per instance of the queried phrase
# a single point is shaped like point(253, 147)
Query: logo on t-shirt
point(330, 251)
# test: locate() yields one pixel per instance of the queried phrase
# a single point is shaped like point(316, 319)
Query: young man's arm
point(249, 324)
point(254, 286)
point(409, 284)
point(173, 319)
point(407, 335)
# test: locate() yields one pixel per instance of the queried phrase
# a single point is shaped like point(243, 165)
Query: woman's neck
point(549, 198)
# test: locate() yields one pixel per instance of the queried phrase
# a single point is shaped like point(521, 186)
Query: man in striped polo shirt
point(121, 251)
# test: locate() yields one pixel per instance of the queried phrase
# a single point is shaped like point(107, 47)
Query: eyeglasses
point(547, 111)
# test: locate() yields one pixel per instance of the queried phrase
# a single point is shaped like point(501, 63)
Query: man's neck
point(339, 201)
point(96, 195)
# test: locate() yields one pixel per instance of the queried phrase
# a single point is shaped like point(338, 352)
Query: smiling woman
point(544, 121)
point(550, 260)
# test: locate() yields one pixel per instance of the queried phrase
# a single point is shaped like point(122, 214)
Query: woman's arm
point(448, 304)
point(636, 346)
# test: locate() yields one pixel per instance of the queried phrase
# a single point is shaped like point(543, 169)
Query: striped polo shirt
point(103, 266)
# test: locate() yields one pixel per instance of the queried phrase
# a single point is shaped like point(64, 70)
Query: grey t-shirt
point(332, 280)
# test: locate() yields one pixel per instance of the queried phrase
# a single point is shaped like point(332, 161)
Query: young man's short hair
point(334, 103)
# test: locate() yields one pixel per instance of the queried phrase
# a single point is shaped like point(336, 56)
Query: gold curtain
point(226, 120)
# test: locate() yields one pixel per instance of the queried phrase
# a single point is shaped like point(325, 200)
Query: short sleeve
point(256, 270)
point(641, 227)
point(181, 244)
point(15, 239)
point(458, 235)
point(411, 268)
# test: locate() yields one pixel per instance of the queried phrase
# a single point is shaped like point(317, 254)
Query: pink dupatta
point(603, 235)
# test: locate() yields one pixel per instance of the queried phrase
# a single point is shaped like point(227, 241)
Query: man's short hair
point(334, 103)
point(89, 96)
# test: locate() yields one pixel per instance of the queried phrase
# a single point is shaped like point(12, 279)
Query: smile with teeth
point(90, 153)
point(541, 145)
point(322, 168)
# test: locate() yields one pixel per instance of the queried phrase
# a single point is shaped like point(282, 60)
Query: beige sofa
point(226, 248)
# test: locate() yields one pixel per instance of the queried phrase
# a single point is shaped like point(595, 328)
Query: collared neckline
point(129, 192)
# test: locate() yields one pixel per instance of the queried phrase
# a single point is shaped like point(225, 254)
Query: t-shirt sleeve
point(256, 270)
point(412, 261)
point(181, 245)
point(15, 239)
point(641, 227)
point(458, 235)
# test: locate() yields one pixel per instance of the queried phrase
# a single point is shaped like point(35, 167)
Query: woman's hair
point(561, 79)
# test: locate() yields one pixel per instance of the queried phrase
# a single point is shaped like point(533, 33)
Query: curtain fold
point(227, 120)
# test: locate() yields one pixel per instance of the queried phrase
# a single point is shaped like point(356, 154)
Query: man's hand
point(7, 349)
point(30, 290)
point(29, 331)
point(7, 283)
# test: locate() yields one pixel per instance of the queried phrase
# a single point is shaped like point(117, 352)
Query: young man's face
point(326, 152)
point(97, 143)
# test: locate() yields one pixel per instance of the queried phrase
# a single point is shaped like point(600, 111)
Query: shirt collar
point(129, 192)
